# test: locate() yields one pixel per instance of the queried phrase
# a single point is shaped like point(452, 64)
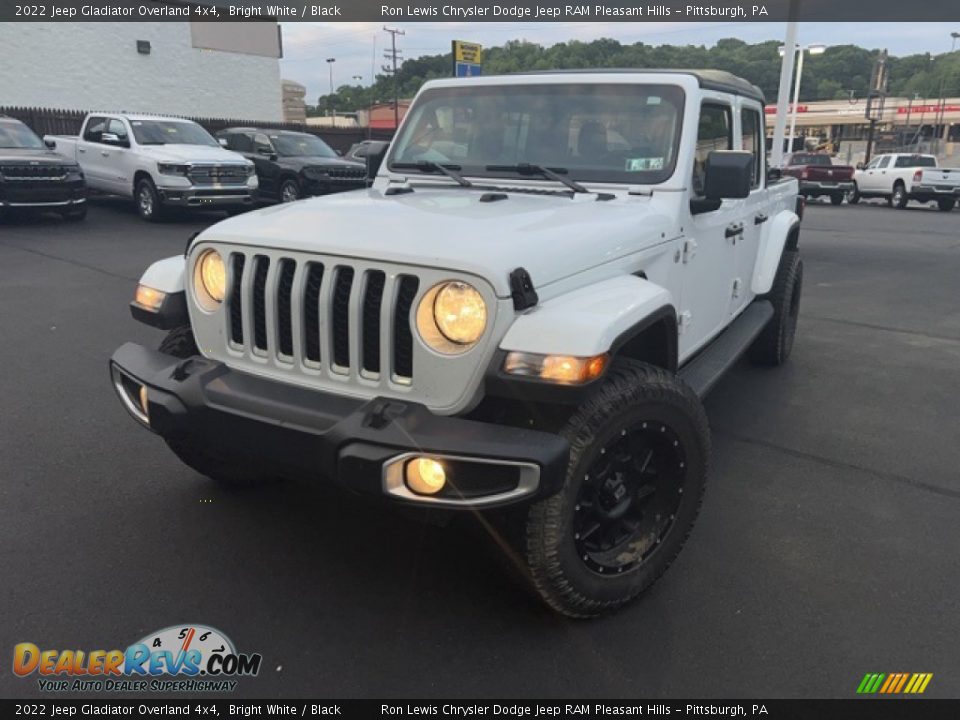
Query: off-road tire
point(853, 197)
point(633, 393)
point(775, 342)
point(836, 199)
point(899, 198)
point(147, 201)
point(946, 204)
point(75, 215)
point(229, 472)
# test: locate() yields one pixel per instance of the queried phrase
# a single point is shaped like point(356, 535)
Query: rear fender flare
point(771, 248)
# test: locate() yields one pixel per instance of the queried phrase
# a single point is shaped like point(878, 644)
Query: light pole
point(333, 110)
point(813, 50)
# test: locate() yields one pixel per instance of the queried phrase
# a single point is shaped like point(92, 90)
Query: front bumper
point(207, 196)
point(817, 187)
point(61, 195)
point(360, 444)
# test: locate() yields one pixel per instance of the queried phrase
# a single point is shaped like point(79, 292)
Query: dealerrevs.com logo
point(184, 658)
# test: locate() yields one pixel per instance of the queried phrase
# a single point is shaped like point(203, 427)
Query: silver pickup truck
point(159, 162)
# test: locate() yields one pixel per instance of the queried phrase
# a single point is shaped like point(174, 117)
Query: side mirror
point(728, 174)
point(774, 174)
point(115, 140)
point(222, 141)
point(50, 143)
point(860, 166)
point(374, 161)
point(267, 153)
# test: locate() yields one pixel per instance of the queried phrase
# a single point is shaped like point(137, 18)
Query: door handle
point(733, 230)
point(83, 150)
point(760, 219)
point(104, 153)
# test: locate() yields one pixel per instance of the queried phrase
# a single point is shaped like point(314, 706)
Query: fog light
point(425, 476)
point(143, 401)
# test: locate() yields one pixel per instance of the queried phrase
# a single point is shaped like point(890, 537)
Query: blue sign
point(468, 70)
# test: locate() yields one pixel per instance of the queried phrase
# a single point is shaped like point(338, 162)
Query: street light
point(943, 82)
point(330, 62)
point(813, 50)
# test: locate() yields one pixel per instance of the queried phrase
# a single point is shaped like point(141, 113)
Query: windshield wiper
point(431, 166)
point(549, 173)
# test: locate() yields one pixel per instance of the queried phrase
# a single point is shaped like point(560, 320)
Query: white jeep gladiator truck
point(522, 312)
point(902, 177)
point(159, 162)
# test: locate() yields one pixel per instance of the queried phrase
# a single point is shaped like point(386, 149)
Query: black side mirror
point(860, 166)
point(729, 174)
point(374, 161)
point(50, 143)
point(774, 174)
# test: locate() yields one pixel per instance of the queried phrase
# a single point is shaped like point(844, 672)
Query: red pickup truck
point(819, 176)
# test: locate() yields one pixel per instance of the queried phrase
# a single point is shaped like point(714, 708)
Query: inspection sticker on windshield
point(641, 164)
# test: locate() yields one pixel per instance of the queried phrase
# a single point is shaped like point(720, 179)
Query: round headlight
point(460, 313)
point(210, 279)
point(451, 317)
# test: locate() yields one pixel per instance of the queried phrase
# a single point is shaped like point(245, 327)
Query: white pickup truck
point(159, 162)
point(902, 177)
point(522, 312)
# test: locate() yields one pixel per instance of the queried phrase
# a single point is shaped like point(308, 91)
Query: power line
point(393, 55)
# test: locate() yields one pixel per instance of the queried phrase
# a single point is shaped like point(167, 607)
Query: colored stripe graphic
point(894, 683)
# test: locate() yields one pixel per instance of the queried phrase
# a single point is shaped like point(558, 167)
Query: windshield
point(170, 132)
point(912, 161)
point(299, 145)
point(601, 133)
point(18, 135)
point(810, 159)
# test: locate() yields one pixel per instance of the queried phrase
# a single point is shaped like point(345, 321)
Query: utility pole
point(393, 55)
point(875, 100)
point(783, 94)
point(941, 102)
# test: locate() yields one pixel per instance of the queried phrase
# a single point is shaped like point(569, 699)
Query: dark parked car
point(292, 165)
point(359, 151)
point(34, 178)
point(819, 176)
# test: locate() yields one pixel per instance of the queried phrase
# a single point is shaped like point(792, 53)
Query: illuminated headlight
point(560, 369)
point(149, 298)
point(451, 317)
point(209, 280)
point(172, 169)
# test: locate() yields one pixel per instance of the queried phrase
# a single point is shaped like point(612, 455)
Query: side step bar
point(708, 367)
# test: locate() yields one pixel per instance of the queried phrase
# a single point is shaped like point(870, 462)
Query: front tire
point(147, 200)
point(289, 190)
point(229, 472)
point(775, 342)
point(853, 197)
point(639, 451)
point(946, 204)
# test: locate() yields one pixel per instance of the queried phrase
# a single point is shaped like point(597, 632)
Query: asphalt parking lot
point(826, 548)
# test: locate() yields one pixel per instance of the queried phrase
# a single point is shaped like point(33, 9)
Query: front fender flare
point(167, 276)
point(771, 248)
point(588, 321)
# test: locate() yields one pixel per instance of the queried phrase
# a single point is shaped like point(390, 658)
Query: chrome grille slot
point(402, 335)
point(214, 174)
point(285, 307)
point(261, 267)
point(343, 286)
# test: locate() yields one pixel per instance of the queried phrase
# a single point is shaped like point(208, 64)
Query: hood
point(302, 161)
point(191, 153)
point(552, 236)
point(20, 156)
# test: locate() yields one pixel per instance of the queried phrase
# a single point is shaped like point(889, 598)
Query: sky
point(358, 47)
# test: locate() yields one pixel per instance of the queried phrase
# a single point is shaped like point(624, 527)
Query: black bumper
point(349, 441)
point(63, 195)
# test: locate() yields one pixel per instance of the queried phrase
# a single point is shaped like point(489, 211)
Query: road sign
point(467, 58)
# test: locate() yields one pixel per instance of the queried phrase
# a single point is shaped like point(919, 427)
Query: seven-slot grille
point(223, 174)
point(322, 314)
point(346, 174)
point(33, 172)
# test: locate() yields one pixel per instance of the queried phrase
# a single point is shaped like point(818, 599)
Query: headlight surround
point(209, 280)
point(173, 169)
point(452, 317)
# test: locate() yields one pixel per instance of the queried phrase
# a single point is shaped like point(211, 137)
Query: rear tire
point(946, 205)
point(147, 200)
point(775, 342)
point(899, 198)
point(639, 453)
point(229, 472)
point(836, 199)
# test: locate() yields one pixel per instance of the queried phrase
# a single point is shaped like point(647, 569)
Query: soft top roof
point(720, 80)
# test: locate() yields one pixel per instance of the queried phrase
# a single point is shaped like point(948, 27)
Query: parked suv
point(34, 178)
point(292, 165)
point(514, 317)
point(160, 163)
